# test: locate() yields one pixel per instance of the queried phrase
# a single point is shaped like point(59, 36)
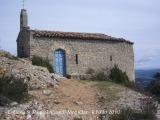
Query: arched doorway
point(60, 62)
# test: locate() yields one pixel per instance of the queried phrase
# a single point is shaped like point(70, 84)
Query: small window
point(76, 58)
point(110, 57)
point(22, 51)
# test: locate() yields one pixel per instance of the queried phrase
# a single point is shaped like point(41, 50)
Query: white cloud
point(148, 59)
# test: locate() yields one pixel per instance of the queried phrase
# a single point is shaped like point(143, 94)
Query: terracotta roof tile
point(76, 35)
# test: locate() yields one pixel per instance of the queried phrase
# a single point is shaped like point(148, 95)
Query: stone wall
point(94, 54)
point(23, 43)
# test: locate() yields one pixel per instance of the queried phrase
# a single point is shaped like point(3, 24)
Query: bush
point(90, 71)
point(118, 76)
point(14, 58)
point(4, 101)
point(148, 111)
point(83, 78)
point(154, 87)
point(148, 108)
point(44, 63)
point(135, 86)
point(125, 114)
point(13, 89)
point(101, 75)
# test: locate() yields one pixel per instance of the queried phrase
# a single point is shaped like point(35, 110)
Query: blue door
point(60, 62)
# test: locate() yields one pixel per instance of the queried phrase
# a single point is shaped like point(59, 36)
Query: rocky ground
point(37, 77)
point(71, 100)
point(55, 98)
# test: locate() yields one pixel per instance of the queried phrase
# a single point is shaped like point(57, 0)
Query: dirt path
point(76, 95)
point(71, 95)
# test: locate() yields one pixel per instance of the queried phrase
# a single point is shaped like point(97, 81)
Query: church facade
point(72, 53)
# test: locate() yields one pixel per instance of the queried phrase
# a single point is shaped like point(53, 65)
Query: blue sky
point(134, 20)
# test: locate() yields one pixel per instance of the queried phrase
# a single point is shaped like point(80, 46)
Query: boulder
point(14, 104)
point(47, 92)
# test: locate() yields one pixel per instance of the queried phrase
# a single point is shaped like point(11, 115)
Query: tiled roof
point(76, 35)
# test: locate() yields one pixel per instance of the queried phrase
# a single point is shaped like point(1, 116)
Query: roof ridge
point(77, 35)
point(36, 30)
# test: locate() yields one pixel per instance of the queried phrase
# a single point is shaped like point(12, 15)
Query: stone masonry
point(91, 50)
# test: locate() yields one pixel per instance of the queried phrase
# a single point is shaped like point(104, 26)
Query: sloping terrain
point(73, 96)
point(56, 98)
point(75, 100)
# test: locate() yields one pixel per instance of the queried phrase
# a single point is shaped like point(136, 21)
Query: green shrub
point(154, 87)
point(118, 76)
point(125, 114)
point(100, 76)
point(13, 88)
point(90, 71)
point(148, 108)
point(36, 60)
point(83, 78)
point(14, 57)
point(135, 86)
point(148, 112)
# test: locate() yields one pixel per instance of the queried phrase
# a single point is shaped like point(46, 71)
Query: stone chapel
point(72, 53)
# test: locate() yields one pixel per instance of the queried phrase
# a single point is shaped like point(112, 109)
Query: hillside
point(81, 99)
point(56, 98)
point(143, 77)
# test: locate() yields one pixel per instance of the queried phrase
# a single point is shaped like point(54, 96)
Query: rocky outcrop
point(36, 77)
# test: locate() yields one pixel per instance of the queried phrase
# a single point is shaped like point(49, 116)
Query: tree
point(157, 75)
point(154, 85)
